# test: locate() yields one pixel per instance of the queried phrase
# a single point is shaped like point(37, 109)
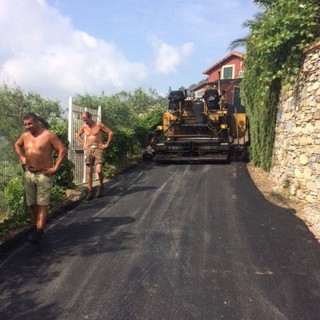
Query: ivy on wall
point(275, 46)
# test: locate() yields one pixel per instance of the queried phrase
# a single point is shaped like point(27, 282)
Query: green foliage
point(14, 197)
point(65, 176)
point(60, 128)
point(274, 55)
point(123, 146)
point(9, 168)
point(11, 109)
point(265, 2)
point(131, 117)
point(108, 170)
point(57, 197)
point(14, 103)
point(146, 124)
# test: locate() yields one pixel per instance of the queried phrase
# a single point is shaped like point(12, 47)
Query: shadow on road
point(30, 266)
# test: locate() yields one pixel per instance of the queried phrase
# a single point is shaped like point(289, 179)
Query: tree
point(273, 58)
point(14, 103)
point(130, 115)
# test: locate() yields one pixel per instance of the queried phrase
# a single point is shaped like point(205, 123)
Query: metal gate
point(75, 151)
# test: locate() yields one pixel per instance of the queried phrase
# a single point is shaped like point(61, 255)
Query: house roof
point(233, 53)
point(200, 84)
point(205, 82)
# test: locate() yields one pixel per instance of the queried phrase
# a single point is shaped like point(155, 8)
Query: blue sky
point(59, 48)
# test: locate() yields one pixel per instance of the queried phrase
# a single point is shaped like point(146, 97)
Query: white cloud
point(42, 52)
point(105, 46)
point(168, 58)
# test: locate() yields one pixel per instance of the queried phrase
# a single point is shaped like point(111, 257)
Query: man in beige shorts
point(34, 149)
point(93, 147)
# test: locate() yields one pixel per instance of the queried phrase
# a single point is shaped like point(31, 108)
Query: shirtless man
point(34, 149)
point(93, 148)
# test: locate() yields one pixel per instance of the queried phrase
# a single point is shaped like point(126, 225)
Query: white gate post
point(99, 116)
point(70, 129)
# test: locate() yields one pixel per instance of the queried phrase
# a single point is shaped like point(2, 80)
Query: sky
point(61, 48)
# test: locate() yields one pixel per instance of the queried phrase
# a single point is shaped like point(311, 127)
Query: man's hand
point(103, 146)
point(49, 172)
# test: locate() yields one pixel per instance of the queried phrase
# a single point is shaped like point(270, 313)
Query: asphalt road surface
point(168, 242)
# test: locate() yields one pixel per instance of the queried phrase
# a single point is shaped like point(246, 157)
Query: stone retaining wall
point(296, 158)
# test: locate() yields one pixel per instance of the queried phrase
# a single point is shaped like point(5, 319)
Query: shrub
point(14, 197)
point(65, 176)
point(57, 197)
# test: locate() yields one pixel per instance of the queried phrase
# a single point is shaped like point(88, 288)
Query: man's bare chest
point(95, 131)
point(39, 144)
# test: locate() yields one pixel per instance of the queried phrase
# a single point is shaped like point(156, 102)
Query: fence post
point(70, 129)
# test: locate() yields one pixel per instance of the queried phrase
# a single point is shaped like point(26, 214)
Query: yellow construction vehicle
point(196, 130)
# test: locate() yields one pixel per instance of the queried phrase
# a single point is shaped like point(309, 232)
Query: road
point(190, 241)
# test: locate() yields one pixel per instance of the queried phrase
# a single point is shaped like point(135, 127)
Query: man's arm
point(18, 146)
point(79, 135)
point(108, 132)
point(61, 153)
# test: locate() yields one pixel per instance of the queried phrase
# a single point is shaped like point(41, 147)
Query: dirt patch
point(271, 190)
point(282, 198)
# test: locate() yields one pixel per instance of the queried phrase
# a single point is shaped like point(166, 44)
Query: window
point(228, 72)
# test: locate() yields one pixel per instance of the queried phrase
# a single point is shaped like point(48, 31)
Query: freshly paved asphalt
point(168, 242)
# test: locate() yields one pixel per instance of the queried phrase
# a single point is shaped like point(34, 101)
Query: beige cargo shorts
point(37, 188)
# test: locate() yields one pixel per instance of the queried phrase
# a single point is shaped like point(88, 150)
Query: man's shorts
point(37, 188)
point(93, 155)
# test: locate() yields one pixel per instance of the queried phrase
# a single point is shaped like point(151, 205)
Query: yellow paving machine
point(196, 130)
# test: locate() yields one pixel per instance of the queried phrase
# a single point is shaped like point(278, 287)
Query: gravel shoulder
point(309, 213)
